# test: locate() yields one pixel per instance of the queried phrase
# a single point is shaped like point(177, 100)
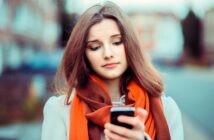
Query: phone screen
point(117, 111)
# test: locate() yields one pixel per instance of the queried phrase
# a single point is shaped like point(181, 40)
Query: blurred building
point(208, 33)
point(160, 34)
point(28, 37)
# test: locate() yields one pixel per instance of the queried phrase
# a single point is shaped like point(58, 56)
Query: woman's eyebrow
point(96, 40)
point(92, 41)
point(115, 35)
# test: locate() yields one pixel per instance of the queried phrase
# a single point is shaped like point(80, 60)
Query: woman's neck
point(113, 88)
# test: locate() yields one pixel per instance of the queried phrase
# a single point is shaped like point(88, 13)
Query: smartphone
point(117, 111)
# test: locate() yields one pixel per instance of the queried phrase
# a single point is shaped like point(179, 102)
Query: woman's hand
point(114, 132)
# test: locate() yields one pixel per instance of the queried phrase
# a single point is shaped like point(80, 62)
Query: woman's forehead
point(105, 28)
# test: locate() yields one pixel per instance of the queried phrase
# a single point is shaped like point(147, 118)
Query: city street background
point(177, 35)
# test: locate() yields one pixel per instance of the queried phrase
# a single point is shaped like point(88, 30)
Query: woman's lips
point(110, 65)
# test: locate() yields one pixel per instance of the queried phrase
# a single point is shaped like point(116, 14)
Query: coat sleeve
point(54, 124)
point(174, 119)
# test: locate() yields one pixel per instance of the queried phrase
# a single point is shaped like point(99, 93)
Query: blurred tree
point(67, 22)
point(191, 27)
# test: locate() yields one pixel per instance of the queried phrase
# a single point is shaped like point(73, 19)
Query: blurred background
point(178, 35)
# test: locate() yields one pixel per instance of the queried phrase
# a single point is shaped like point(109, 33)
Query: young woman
point(103, 62)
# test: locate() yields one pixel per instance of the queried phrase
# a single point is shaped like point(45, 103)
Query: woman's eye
point(94, 48)
point(117, 43)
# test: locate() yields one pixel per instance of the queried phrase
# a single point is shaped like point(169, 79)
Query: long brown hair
point(74, 70)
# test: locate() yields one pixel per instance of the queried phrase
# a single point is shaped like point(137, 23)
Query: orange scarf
point(91, 106)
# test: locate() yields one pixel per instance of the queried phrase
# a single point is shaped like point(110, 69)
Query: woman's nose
point(108, 53)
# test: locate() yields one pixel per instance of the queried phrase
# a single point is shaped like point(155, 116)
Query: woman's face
point(105, 50)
